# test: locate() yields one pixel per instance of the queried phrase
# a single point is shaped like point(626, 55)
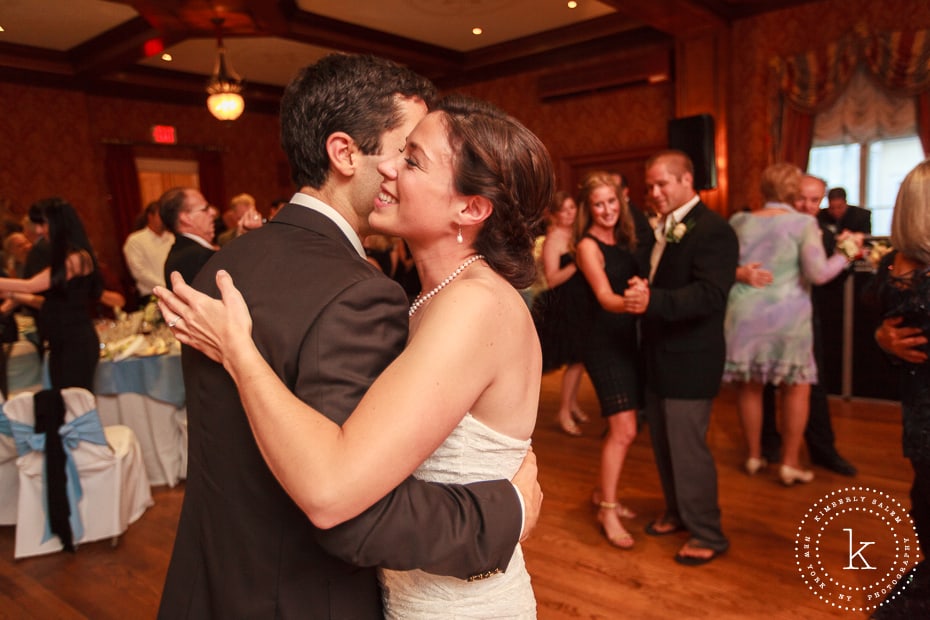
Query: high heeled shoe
point(569, 427)
point(789, 475)
point(622, 511)
point(580, 416)
point(754, 465)
point(623, 541)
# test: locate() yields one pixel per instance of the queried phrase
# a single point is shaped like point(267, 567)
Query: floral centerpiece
point(877, 252)
point(151, 315)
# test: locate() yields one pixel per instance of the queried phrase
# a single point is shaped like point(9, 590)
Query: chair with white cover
point(9, 473)
point(106, 485)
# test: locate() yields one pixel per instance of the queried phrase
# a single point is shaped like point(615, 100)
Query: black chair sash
point(49, 409)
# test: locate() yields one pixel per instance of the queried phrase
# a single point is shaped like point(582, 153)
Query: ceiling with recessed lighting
point(115, 46)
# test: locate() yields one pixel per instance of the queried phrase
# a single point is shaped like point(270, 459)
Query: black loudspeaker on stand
point(695, 136)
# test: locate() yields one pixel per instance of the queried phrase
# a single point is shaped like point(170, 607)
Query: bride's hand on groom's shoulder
point(526, 481)
point(216, 327)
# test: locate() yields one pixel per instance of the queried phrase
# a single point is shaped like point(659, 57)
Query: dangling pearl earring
point(458, 237)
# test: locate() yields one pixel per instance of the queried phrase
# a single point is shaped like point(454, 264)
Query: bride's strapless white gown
point(472, 452)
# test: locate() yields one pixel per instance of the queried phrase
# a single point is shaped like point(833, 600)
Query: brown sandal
point(624, 541)
point(622, 511)
point(569, 427)
point(580, 416)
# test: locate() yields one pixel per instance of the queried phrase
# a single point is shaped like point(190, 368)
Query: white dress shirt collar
point(199, 240)
point(681, 212)
point(305, 200)
point(663, 225)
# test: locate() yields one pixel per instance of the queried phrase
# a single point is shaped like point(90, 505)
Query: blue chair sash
point(26, 439)
point(88, 428)
point(5, 428)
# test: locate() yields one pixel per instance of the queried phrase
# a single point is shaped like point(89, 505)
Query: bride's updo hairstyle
point(496, 157)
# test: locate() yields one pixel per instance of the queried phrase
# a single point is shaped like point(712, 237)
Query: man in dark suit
point(186, 213)
point(693, 266)
point(829, 299)
point(840, 215)
point(645, 238)
point(328, 323)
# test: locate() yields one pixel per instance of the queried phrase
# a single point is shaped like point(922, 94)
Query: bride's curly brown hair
point(496, 157)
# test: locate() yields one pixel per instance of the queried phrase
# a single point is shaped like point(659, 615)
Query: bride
point(464, 193)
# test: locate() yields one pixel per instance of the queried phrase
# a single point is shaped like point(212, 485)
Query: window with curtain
point(866, 143)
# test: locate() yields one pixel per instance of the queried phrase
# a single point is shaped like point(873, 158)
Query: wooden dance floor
point(576, 573)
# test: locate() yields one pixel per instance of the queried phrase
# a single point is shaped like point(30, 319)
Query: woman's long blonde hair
point(624, 231)
point(910, 223)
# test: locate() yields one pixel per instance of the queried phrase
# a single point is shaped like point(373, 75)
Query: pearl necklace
point(422, 299)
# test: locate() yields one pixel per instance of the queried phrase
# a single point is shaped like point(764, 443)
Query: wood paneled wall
point(53, 138)
point(599, 126)
point(633, 119)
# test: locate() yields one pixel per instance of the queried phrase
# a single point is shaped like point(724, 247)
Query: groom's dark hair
point(355, 94)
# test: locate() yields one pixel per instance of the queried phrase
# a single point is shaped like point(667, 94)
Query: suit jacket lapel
point(692, 216)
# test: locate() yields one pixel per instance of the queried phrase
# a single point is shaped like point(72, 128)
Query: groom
point(328, 324)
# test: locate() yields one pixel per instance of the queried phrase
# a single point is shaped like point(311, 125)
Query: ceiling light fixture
point(224, 102)
point(572, 4)
point(476, 30)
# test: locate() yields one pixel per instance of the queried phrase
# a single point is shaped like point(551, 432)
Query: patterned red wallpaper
point(54, 139)
point(54, 145)
point(591, 124)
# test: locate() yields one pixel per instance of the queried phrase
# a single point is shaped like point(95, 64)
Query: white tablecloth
point(153, 410)
point(160, 428)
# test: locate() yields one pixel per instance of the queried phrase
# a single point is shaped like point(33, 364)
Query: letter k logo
point(858, 553)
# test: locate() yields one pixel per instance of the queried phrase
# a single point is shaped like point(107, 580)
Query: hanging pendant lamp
point(224, 102)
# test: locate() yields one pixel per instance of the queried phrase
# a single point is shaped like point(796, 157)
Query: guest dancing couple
point(769, 329)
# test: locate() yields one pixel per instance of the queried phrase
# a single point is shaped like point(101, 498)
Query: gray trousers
point(686, 467)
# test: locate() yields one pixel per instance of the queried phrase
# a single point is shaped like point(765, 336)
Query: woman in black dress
point(556, 310)
point(70, 285)
point(610, 351)
point(902, 289)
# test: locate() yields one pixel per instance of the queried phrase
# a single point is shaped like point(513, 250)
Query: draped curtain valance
point(812, 81)
point(865, 112)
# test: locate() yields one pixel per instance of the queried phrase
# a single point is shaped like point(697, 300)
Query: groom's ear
point(687, 178)
point(341, 149)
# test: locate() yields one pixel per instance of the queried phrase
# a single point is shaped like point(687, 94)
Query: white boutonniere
point(678, 231)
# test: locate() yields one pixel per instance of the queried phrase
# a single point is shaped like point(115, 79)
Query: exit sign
point(164, 134)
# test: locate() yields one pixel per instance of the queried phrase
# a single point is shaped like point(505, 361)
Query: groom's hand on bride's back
point(526, 482)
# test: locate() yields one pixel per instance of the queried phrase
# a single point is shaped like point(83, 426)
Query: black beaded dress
point(908, 296)
point(560, 322)
point(611, 351)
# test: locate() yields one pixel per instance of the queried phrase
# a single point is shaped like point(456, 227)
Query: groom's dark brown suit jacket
point(328, 323)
